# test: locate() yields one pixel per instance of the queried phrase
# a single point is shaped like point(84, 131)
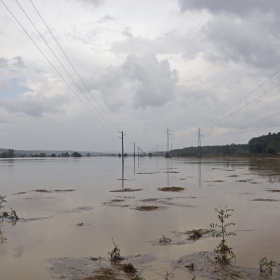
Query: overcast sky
point(148, 64)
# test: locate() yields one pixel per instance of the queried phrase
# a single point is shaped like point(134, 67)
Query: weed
point(167, 275)
point(115, 254)
point(138, 278)
point(129, 268)
point(164, 240)
point(266, 266)
point(224, 254)
point(8, 215)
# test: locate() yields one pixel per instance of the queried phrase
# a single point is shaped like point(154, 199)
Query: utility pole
point(122, 142)
point(134, 151)
point(167, 134)
point(199, 143)
point(138, 151)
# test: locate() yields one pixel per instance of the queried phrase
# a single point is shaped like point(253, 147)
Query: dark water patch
point(19, 193)
point(242, 181)
point(147, 173)
point(34, 219)
point(67, 190)
point(50, 191)
point(148, 208)
point(127, 190)
point(43, 197)
point(219, 181)
point(171, 189)
point(232, 176)
point(150, 199)
point(265, 199)
point(126, 197)
point(273, 190)
point(42, 191)
point(78, 209)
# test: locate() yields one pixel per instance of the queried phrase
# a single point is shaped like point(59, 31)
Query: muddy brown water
point(49, 228)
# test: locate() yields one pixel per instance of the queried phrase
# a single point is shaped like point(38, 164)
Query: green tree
point(271, 149)
point(75, 154)
point(8, 154)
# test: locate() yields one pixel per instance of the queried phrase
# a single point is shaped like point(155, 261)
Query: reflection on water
point(237, 183)
point(199, 170)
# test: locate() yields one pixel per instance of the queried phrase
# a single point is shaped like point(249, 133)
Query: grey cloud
point(152, 82)
point(94, 3)
point(170, 43)
point(238, 7)
point(106, 19)
point(156, 80)
point(19, 62)
point(127, 32)
point(3, 62)
point(233, 40)
point(35, 106)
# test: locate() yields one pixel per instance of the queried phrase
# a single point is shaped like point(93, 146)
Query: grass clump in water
point(147, 208)
point(171, 189)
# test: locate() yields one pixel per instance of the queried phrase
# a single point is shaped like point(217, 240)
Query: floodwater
point(82, 222)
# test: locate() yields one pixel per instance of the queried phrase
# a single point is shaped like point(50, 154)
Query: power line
point(232, 132)
point(244, 97)
point(237, 67)
point(74, 67)
point(54, 67)
point(246, 56)
point(244, 106)
point(61, 63)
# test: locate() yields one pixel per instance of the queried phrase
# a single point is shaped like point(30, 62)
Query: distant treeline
point(10, 153)
point(266, 144)
point(232, 149)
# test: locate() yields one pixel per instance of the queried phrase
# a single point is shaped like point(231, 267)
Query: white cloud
point(35, 106)
point(140, 81)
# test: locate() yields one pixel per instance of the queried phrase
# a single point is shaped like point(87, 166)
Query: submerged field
point(70, 209)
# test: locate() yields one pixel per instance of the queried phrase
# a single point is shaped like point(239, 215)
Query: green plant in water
point(266, 266)
point(224, 254)
point(167, 275)
point(115, 254)
point(164, 239)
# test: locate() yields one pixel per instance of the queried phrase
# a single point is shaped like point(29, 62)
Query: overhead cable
point(74, 68)
point(62, 64)
point(55, 68)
